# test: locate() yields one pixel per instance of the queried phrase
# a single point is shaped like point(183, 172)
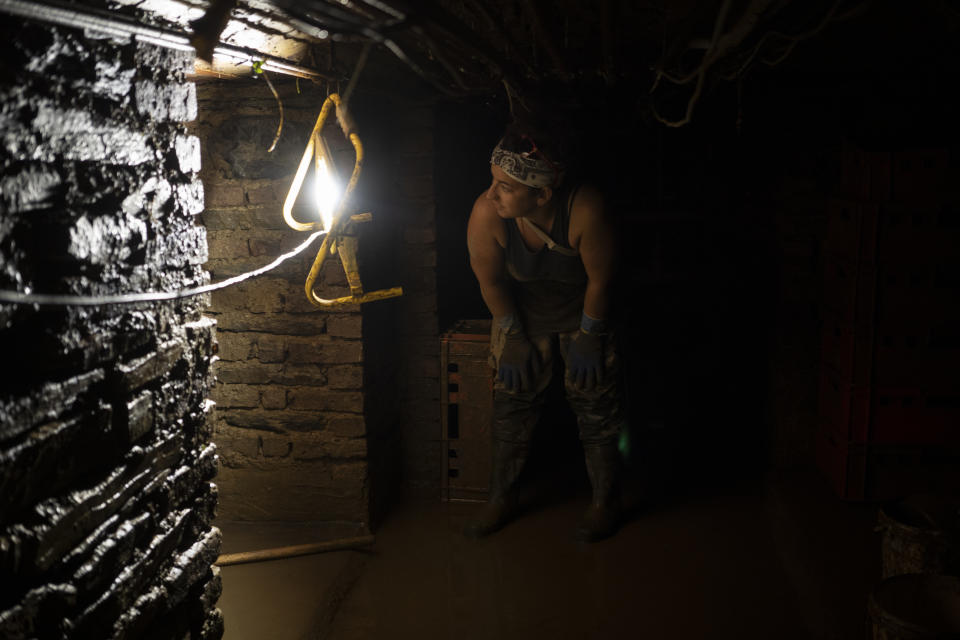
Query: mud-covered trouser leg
point(516, 414)
point(600, 420)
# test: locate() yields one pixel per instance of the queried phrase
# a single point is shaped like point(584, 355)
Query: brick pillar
point(417, 324)
point(401, 342)
point(290, 418)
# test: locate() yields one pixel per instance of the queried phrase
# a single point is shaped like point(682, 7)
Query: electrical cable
point(19, 297)
point(361, 61)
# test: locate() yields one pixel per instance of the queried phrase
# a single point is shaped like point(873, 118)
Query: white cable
point(18, 297)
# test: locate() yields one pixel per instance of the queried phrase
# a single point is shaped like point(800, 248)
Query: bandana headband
point(530, 168)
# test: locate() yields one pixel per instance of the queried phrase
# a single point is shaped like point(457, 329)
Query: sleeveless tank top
point(548, 286)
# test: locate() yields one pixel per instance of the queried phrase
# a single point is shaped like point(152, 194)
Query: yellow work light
point(330, 204)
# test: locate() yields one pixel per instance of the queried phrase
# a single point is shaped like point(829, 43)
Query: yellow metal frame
point(340, 239)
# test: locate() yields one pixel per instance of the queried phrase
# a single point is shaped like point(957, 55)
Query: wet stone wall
point(106, 499)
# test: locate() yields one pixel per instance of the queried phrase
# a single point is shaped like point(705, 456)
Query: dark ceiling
point(670, 53)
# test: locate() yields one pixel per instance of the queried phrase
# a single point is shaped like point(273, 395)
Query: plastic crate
point(875, 472)
point(894, 351)
point(852, 230)
point(919, 175)
point(466, 404)
point(912, 415)
point(891, 295)
point(862, 414)
point(918, 231)
point(906, 176)
point(865, 232)
point(849, 289)
point(844, 408)
point(847, 349)
point(865, 175)
point(925, 356)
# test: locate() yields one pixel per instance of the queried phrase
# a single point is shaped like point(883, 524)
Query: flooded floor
point(291, 598)
point(787, 560)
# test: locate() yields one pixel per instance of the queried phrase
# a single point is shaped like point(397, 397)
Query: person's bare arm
point(485, 240)
point(591, 225)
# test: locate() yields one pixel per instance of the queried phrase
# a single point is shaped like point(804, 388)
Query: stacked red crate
point(890, 383)
point(466, 403)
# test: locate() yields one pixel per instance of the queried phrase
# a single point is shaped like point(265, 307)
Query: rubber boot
point(503, 504)
point(602, 517)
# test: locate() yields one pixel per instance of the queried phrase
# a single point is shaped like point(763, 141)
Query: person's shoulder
point(588, 202)
point(484, 221)
point(484, 212)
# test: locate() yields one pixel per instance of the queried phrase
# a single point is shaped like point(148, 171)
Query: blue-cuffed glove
point(519, 360)
point(585, 358)
point(519, 363)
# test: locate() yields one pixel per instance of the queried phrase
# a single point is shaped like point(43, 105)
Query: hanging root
point(276, 138)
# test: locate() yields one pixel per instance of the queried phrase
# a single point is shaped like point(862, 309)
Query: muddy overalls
point(548, 288)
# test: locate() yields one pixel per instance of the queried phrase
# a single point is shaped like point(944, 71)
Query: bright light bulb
point(326, 193)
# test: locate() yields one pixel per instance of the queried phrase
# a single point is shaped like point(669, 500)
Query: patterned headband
point(530, 168)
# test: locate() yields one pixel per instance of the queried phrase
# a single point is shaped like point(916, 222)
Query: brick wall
point(105, 460)
point(416, 320)
point(401, 345)
point(341, 405)
point(290, 418)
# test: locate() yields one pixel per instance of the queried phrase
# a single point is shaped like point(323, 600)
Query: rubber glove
point(585, 358)
point(519, 363)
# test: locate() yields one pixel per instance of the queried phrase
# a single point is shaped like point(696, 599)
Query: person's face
point(511, 198)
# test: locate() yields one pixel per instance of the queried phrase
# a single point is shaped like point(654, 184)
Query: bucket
point(921, 534)
point(916, 607)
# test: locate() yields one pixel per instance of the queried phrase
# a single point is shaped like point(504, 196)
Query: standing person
point(543, 250)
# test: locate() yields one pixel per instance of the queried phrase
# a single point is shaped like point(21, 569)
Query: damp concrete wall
point(106, 499)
